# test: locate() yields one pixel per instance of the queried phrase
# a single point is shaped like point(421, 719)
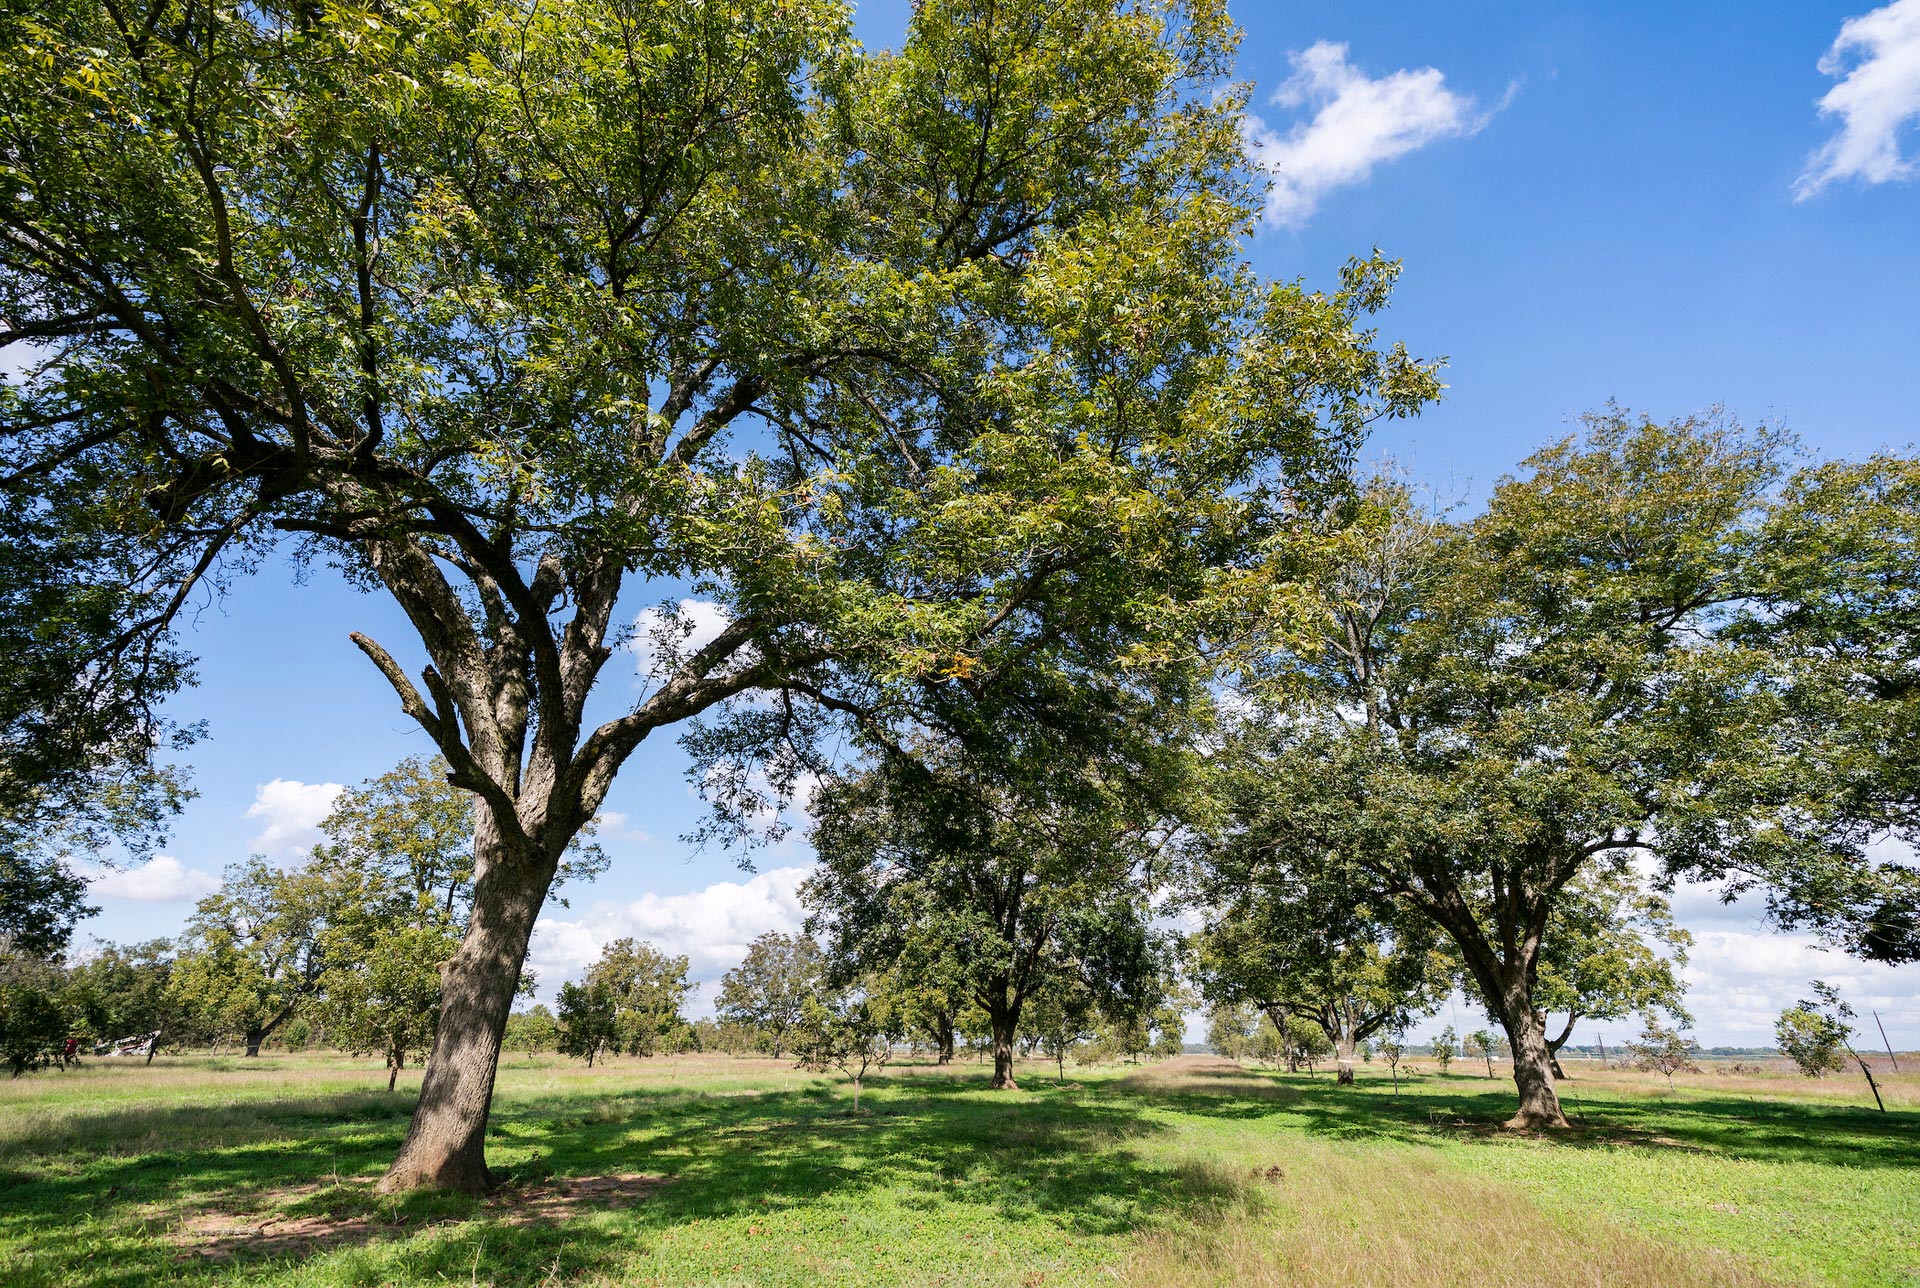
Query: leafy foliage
point(767, 991)
point(1814, 1033)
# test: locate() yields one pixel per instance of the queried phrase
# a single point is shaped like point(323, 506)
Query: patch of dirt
point(272, 1231)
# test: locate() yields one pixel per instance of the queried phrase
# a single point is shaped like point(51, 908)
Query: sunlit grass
point(749, 1172)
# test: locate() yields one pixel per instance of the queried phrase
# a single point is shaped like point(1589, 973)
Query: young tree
point(1480, 1043)
point(768, 990)
point(1063, 1014)
point(1443, 1047)
point(251, 954)
point(875, 349)
point(1496, 709)
point(1393, 1051)
point(589, 1019)
point(1815, 1032)
point(853, 1032)
point(1662, 1049)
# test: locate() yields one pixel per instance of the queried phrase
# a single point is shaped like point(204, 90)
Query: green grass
point(117, 1175)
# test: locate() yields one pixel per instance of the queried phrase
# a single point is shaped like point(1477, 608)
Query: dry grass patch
point(1323, 1215)
point(1202, 1075)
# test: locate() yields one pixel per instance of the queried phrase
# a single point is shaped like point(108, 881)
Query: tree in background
point(1267, 1045)
point(767, 991)
point(1301, 939)
point(1602, 956)
point(1023, 875)
point(588, 1020)
point(35, 1019)
point(881, 349)
point(127, 992)
point(1814, 1033)
point(852, 1031)
point(1062, 1015)
point(533, 1031)
point(1311, 1045)
point(629, 1001)
point(251, 954)
point(1230, 1029)
point(1480, 1043)
point(1496, 709)
point(1443, 1047)
point(1663, 1049)
point(395, 878)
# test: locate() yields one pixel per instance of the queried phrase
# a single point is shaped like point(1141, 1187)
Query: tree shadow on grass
point(105, 1218)
point(1727, 1126)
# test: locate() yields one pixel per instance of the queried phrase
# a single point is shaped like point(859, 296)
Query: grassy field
point(704, 1170)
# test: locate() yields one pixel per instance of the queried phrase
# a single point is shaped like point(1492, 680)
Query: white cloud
point(612, 825)
point(665, 635)
point(161, 879)
point(1877, 58)
point(17, 360)
point(712, 927)
point(292, 811)
point(1358, 123)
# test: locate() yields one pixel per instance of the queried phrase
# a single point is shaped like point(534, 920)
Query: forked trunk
point(1554, 1044)
point(445, 1146)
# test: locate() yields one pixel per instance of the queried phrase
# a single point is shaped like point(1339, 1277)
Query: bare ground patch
point(285, 1222)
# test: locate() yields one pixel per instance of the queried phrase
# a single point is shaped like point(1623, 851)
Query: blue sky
point(1632, 201)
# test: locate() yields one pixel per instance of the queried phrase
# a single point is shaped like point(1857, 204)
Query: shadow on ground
point(1727, 1125)
point(286, 1182)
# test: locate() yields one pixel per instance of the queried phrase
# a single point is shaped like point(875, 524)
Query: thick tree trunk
point(445, 1146)
point(1004, 1020)
point(1003, 1065)
point(1532, 1073)
point(944, 1035)
point(254, 1038)
point(393, 1073)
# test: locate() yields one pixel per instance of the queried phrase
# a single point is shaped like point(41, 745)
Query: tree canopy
point(511, 313)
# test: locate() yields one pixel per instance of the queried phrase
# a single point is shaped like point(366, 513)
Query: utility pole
point(1883, 1041)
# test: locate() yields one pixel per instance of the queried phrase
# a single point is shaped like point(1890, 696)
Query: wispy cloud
point(1358, 123)
point(1877, 58)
